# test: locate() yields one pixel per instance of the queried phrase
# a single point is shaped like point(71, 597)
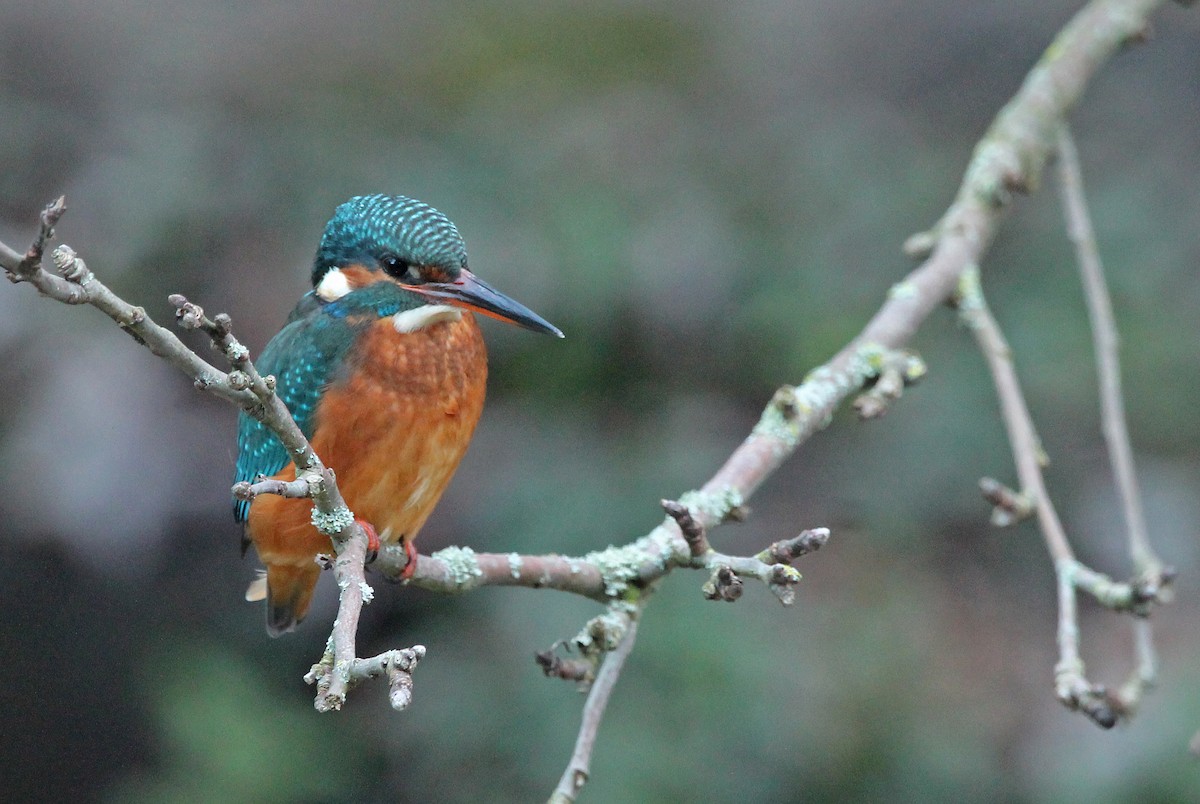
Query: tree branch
point(1137, 596)
point(1009, 157)
point(1147, 567)
point(604, 575)
point(255, 394)
point(576, 774)
point(1106, 340)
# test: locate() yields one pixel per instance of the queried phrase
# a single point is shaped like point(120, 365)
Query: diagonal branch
point(1009, 157)
point(244, 386)
point(1028, 454)
point(1107, 342)
point(576, 774)
point(75, 284)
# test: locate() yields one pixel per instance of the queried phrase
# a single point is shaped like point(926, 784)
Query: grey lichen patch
point(914, 367)
point(461, 564)
point(618, 566)
point(781, 420)
point(991, 171)
point(333, 522)
point(368, 594)
point(713, 506)
point(236, 353)
point(514, 565)
point(662, 547)
point(868, 360)
point(903, 290)
point(605, 632)
point(823, 388)
point(820, 392)
point(968, 297)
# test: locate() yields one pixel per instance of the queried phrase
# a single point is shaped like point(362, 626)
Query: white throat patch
point(333, 286)
point(421, 317)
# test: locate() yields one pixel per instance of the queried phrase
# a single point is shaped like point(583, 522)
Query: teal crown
point(367, 228)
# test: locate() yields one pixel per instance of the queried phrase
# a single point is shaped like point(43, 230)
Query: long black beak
point(471, 292)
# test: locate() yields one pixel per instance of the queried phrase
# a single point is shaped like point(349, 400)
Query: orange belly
point(393, 427)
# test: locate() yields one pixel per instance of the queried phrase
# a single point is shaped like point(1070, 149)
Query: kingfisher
point(384, 368)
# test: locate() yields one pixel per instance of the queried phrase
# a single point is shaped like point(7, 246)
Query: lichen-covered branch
point(397, 665)
point(576, 774)
point(1009, 157)
point(603, 575)
point(75, 284)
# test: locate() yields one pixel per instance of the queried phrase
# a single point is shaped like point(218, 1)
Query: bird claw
point(372, 541)
point(410, 552)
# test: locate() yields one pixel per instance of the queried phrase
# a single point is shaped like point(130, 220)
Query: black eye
point(406, 272)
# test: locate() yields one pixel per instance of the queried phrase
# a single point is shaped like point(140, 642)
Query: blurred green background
point(708, 198)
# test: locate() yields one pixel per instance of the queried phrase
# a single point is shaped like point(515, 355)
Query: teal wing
point(304, 357)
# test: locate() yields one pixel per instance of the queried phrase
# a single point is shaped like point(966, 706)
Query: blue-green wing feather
point(304, 357)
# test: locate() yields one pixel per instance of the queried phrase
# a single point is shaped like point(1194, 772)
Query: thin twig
point(1146, 564)
point(788, 550)
point(898, 369)
point(1026, 446)
point(576, 774)
point(1008, 507)
point(1070, 682)
point(297, 489)
point(692, 530)
point(397, 665)
point(1106, 340)
point(1136, 596)
point(1071, 685)
point(82, 287)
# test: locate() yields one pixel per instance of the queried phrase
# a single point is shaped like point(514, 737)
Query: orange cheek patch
point(359, 276)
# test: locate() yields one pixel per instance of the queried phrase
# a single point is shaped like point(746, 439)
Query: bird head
point(417, 251)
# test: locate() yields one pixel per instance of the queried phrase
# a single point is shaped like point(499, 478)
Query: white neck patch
point(333, 286)
point(424, 316)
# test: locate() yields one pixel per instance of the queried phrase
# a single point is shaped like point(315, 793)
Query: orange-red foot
point(410, 551)
point(372, 540)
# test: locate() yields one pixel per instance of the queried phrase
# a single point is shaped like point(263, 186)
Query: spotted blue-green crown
point(367, 227)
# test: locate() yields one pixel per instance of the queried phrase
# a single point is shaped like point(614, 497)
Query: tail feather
point(289, 594)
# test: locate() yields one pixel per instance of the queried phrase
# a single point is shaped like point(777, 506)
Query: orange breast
point(393, 427)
